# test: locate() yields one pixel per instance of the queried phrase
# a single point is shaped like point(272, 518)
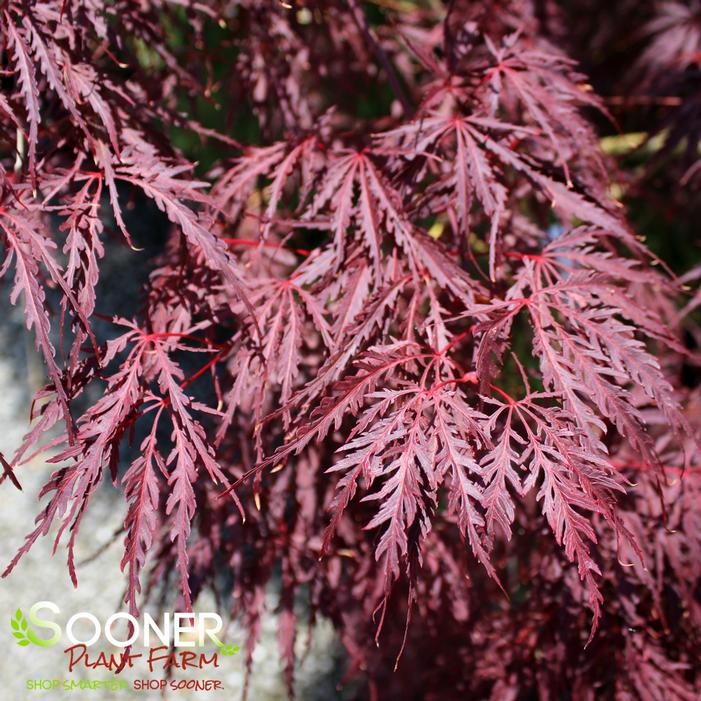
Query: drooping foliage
point(403, 345)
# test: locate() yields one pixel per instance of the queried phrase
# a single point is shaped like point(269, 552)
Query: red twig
point(267, 244)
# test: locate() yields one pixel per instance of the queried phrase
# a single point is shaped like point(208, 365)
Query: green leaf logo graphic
point(224, 649)
point(229, 649)
point(20, 628)
point(25, 634)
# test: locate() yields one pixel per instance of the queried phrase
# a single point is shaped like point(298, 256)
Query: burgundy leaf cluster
point(402, 354)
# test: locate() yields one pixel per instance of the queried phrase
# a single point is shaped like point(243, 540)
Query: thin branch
point(381, 55)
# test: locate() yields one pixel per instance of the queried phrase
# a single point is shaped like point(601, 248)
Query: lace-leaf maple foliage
point(402, 346)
